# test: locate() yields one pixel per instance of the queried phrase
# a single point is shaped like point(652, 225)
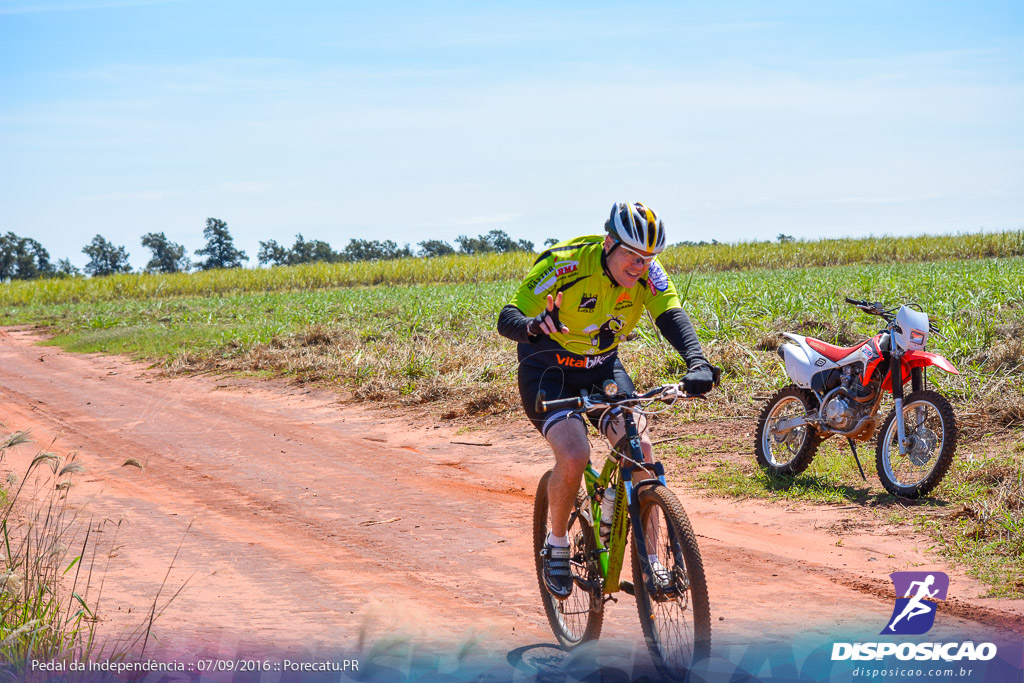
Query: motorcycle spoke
point(781, 451)
point(924, 431)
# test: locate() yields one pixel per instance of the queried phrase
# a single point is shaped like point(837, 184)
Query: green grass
point(832, 478)
point(975, 516)
point(422, 341)
point(496, 267)
point(436, 345)
point(39, 620)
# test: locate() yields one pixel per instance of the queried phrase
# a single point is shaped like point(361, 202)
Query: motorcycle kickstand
point(853, 447)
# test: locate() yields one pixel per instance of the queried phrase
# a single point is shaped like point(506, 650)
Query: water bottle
point(607, 513)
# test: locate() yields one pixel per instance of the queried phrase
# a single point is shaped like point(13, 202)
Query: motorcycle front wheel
point(931, 432)
point(788, 453)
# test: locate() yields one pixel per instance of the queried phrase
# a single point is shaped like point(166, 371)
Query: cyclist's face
point(626, 265)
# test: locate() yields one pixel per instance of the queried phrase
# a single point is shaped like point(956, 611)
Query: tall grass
point(421, 343)
point(41, 553)
point(496, 267)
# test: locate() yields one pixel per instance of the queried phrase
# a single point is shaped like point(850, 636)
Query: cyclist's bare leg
point(568, 439)
point(614, 432)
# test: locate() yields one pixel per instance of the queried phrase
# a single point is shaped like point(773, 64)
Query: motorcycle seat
point(832, 352)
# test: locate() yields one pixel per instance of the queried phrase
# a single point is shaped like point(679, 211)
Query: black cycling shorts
point(558, 382)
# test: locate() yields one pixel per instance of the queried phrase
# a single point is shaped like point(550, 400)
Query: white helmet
point(637, 227)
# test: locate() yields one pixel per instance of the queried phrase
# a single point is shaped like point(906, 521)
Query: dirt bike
point(838, 390)
point(675, 616)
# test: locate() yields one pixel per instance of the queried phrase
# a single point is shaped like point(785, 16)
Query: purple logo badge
point(917, 594)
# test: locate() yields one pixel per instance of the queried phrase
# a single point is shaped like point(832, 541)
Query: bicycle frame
point(618, 473)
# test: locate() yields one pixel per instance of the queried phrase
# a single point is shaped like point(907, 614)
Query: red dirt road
point(317, 527)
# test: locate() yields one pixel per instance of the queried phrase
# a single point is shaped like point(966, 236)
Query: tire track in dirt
point(319, 526)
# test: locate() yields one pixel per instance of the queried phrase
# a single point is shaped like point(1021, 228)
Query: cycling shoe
point(557, 571)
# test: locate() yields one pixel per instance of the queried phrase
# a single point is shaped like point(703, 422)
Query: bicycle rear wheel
point(579, 617)
point(676, 622)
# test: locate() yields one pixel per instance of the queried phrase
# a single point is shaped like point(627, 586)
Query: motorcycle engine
point(847, 405)
point(860, 393)
point(839, 414)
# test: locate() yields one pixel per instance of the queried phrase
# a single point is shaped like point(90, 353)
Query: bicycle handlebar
point(603, 400)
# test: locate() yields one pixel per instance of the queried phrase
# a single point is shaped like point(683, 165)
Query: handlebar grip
point(570, 403)
point(543, 406)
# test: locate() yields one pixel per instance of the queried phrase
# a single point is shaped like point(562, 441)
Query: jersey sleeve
point(661, 293)
point(531, 297)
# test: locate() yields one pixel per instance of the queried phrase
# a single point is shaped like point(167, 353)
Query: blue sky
point(410, 121)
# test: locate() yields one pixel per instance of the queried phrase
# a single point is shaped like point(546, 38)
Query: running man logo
point(914, 613)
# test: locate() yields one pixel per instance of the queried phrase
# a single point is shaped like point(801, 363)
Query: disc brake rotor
point(923, 446)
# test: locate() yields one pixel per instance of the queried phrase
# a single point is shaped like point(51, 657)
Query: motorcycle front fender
point(922, 359)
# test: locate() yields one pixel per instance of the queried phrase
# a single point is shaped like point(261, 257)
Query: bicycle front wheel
point(579, 617)
point(676, 620)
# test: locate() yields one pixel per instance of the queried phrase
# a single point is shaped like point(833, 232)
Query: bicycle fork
point(632, 491)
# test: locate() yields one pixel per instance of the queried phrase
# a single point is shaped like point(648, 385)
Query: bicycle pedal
point(627, 587)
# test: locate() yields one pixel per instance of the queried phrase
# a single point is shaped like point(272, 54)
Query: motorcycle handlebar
point(869, 307)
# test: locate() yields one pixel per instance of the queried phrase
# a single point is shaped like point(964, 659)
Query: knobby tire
point(678, 630)
point(887, 457)
point(768, 450)
point(578, 618)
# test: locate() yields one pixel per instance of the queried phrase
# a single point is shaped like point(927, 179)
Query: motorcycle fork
point(917, 379)
point(896, 379)
point(917, 382)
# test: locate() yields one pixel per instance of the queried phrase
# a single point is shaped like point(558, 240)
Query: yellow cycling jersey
point(598, 313)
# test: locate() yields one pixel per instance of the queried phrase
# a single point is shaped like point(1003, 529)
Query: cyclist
point(581, 298)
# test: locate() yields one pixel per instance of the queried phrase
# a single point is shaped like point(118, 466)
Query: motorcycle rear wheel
point(790, 453)
point(930, 424)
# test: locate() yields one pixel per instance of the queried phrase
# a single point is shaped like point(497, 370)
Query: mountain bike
point(674, 613)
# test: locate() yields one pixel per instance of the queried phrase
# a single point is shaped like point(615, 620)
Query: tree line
point(23, 258)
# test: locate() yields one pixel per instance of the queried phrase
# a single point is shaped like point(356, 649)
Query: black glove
point(533, 328)
point(699, 380)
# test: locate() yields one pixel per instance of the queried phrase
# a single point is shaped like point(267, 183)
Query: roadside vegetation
point(53, 569)
point(425, 337)
point(491, 258)
point(975, 517)
point(43, 614)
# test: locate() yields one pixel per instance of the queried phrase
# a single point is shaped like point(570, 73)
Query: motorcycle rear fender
point(922, 359)
point(803, 362)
